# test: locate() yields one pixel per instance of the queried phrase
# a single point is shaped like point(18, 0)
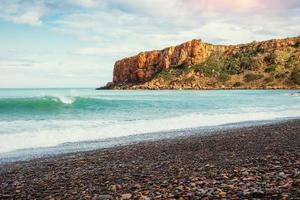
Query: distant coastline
point(272, 64)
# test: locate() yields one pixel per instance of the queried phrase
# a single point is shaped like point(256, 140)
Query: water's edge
point(86, 146)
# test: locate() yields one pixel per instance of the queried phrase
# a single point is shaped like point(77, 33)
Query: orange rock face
point(145, 65)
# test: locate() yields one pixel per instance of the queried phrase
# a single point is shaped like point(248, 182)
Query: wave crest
point(35, 103)
point(65, 99)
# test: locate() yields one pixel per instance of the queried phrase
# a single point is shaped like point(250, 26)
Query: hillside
point(272, 64)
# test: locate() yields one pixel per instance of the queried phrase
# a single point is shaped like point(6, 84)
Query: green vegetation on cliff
point(295, 76)
point(240, 68)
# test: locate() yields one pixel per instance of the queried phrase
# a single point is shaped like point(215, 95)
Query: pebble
point(126, 196)
point(113, 188)
point(282, 174)
point(222, 194)
point(103, 197)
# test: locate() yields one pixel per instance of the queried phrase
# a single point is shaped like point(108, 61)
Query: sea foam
point(55, 132)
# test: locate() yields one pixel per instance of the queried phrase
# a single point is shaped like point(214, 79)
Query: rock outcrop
point(192, 60)
point(145, 65)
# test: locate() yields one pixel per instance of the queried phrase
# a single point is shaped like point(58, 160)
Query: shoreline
point(140, 87)
point(17, 156)
point(252, 162)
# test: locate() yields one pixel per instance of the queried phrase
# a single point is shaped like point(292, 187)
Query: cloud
point(100, 51)
point(53, 72)
point(31, 17)
point(87, 3)
point(135, 22)
point(22, 12)
point(238, 6)
point(143, 25)
point(16, 64)
point(155, 8)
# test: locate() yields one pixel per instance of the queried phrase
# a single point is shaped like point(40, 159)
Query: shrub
point(295, 76)
point(179, 66)
point(241, 62)
point(280, 76)
point(252, 77)
point(190, 79)
point(212, 66)
point(237, 84)
point(284, 55)
point(268, 79)
point(176, 71)
point(203, 69)
point(248, 62)
point(291, 62)
point(166, 75)
point(224, 76)
point(232, 67)
point(188, 69)
point(246, 53)
point(271, 68)
point(271, 58)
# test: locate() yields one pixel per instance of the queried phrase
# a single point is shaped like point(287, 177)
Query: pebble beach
point(261, 162)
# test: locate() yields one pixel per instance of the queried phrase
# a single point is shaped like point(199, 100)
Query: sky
point(75, 43)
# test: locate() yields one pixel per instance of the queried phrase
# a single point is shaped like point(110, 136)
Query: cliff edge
point(198, 65)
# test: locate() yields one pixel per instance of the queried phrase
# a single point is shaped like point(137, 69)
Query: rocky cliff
point(198, 65)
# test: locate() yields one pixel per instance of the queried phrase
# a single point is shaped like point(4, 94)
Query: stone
point(113, 188)
point(126, 196)
point(282, 174)
point(104, 197)
point(245, 173)
point(137, 186)
point(222, 194)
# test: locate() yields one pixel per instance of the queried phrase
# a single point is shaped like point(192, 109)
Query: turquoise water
point(48, 118)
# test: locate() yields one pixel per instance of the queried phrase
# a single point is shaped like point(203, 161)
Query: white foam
point(34, 134)
point(65, 99)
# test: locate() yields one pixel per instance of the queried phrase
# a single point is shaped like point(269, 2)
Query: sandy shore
point(257, 162)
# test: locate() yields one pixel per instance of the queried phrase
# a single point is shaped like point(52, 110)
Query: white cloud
point(22, 12)
point(87, 3)
point(16, 64)
point(55, 72)
point(100, 51)
point(29, 17)
point(135, 22)
point(156, 8)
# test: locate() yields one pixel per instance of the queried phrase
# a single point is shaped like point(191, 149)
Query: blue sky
point(74, 43)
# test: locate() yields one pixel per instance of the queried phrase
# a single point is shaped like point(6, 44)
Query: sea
point(38, 123)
